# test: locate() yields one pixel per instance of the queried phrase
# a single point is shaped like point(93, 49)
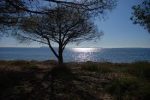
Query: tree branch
point(34, 40)
point(50, 46)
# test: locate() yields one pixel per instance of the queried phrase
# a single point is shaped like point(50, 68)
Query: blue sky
point(119, 31)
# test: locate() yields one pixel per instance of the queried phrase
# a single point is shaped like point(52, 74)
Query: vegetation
point(30, 80)
point(13, 10)
point(92, 67)
point(128, 88)
point(141, 14)
point(62, 26)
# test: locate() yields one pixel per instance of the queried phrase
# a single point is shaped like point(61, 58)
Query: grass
point(129, 88)
point(33, 80)
point(124, 87)
point(140, 69)
point(94, 67)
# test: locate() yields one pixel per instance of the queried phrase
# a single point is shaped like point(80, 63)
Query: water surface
point(117, 55)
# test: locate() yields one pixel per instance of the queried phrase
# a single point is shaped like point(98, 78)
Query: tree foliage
point(10, 14)
point(11, 11)
point(61, 26)
point(141, 14)
point(11, 8)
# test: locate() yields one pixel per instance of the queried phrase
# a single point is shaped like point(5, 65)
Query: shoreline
point(55, 61)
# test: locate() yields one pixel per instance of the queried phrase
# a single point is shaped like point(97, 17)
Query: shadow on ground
point(57, 83)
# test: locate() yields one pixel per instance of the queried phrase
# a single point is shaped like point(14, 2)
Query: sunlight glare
point(85, 49)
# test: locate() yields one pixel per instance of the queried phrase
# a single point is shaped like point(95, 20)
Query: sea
point(114, 55)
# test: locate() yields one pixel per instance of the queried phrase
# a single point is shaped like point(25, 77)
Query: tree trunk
point(60, 57)
point(51, 48)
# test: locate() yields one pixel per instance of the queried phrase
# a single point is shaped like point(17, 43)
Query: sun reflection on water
point(85, 49)
point(84, 54)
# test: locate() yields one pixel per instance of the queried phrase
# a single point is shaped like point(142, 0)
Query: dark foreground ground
point(32, 80)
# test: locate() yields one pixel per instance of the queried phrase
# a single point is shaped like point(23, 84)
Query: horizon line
point(78, 47)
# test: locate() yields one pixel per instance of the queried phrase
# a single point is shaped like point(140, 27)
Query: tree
point(141, 14)
point(23, 8)
point(9, 14)
point(10, 9)
point(62, 26)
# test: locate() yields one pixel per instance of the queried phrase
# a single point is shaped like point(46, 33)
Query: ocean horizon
point(115, 55)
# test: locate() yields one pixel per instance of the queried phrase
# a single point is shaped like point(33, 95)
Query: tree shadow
point(58, 83)
point(64, 87)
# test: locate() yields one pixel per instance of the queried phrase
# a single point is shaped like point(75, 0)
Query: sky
point(119, 31)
